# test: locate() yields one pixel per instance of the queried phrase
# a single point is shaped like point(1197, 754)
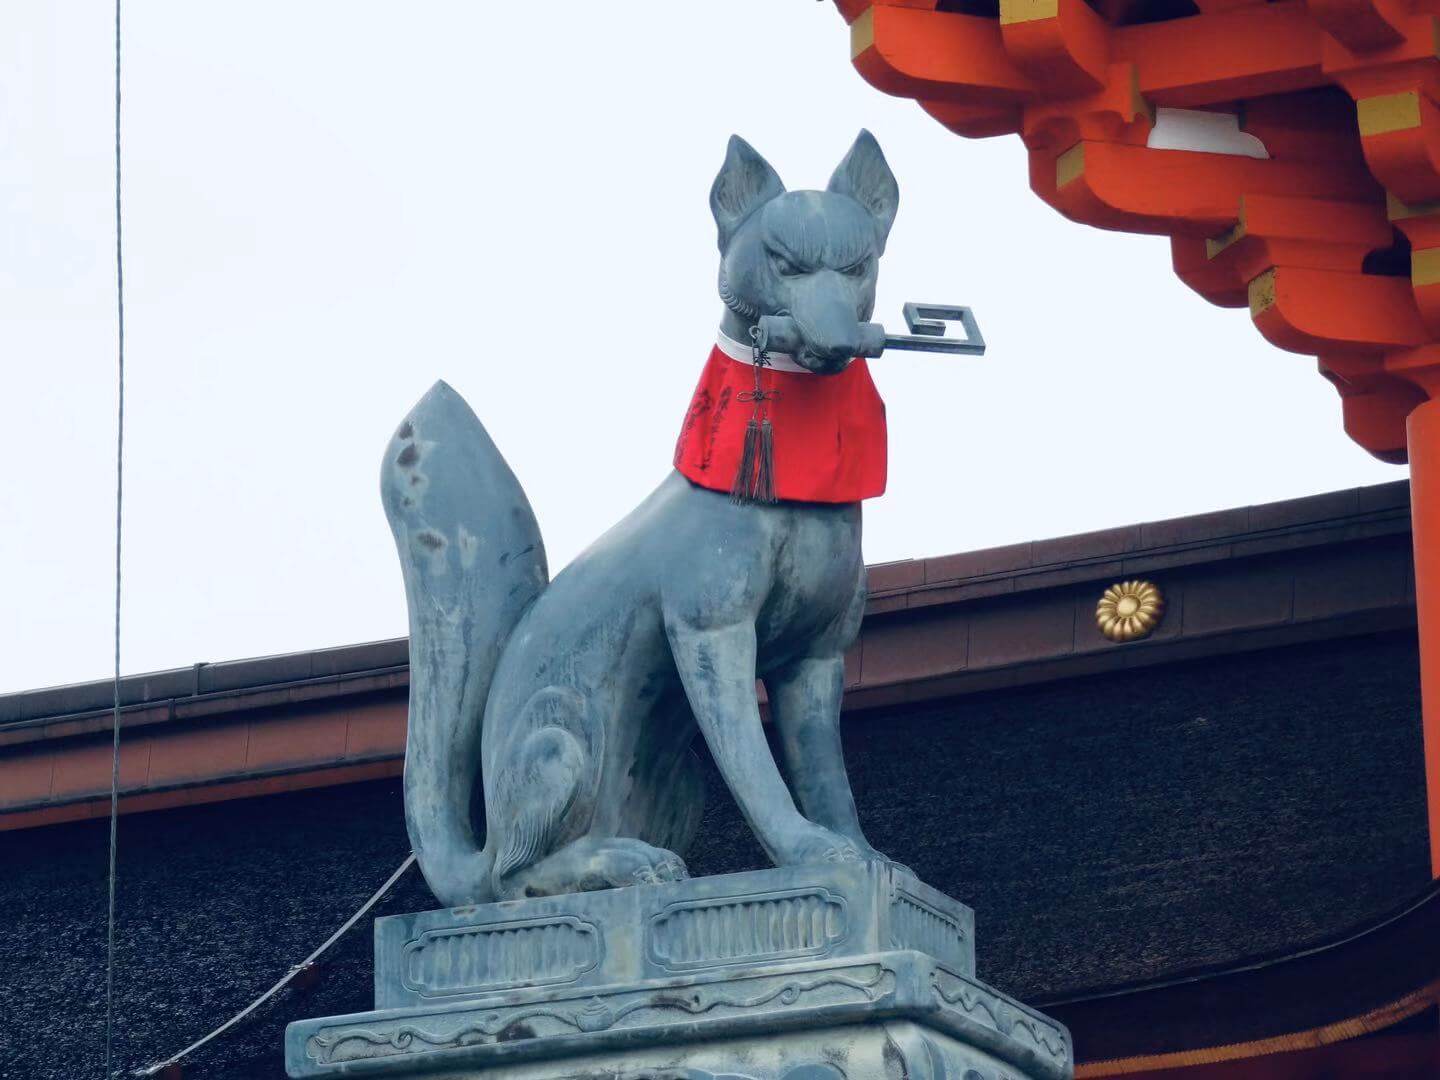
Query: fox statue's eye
point(857, 269)
point(783, 266)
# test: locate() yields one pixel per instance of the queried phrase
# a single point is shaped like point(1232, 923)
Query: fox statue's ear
point(746, 181)
point(865, 176)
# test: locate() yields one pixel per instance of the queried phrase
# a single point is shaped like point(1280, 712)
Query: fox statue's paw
point(812, 844)
point(869, 854)
point(615, 863)
point(591, 863)
point(671, 869)
point(875, 856)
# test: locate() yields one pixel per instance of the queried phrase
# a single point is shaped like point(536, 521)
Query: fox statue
point(576, 701)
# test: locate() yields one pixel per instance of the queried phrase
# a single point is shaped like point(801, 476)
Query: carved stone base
point(849, 971)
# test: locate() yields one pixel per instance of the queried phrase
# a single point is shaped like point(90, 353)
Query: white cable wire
point(119, 494)
point(151, 1070)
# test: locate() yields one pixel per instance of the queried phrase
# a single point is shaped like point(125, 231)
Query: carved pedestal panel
point(820, 973)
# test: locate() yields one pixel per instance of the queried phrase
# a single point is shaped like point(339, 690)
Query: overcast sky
point(331, 204)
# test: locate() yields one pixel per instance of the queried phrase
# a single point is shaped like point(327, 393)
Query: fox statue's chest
point(817, 571)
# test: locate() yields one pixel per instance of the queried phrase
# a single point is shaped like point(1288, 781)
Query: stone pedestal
point(852, 971)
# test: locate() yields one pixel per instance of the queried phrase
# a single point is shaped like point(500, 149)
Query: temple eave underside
point(1290, 150)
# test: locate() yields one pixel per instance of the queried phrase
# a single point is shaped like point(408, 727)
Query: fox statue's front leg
point(716, 662)
point(805, 696)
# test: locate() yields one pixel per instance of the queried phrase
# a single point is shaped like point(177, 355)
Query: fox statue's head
point(810, 255)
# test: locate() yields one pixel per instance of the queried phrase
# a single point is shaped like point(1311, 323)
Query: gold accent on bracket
point(1139, 105)
point(1395, 210)
point(1214, 245)
point(1262, 293)
point(1019, 11)
point(1129, 610)
point(1425, 267)
point(862, 33)
point(1070, 165)
point(1388, 112)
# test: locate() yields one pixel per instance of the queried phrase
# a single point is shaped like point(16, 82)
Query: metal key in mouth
point(927, 324)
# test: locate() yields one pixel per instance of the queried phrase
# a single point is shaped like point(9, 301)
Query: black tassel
point(755, 479)
point(743, 489)
point(765, 470)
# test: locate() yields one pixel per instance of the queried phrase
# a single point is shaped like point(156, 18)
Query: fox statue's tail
point(473, 561)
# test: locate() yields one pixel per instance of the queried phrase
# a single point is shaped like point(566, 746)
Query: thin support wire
point(119, 496)
point(174, 1059)
point(115, 714)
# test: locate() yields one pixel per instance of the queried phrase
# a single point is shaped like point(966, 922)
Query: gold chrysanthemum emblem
point(1129, 611)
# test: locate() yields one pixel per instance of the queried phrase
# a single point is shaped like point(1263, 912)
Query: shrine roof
point(909, 584)
point(1252, 577)
point(1170, 842)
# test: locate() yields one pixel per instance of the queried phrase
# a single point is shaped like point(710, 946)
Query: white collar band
point(744, 354)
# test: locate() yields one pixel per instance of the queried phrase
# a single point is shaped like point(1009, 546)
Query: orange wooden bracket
point(1247, 53)
point(1361, 24)
point(976, 121)
point(1420, 367)
point(1408, 62)
point(1401, 135)
point(1394, 78)
point(1176, 192)
point(1117, 112)
point(1420, 225)
point(1279, 231)
point(1325, 311)
point(1318, 233)
point(1061, 44)
point(936, 56)
point(1425, 281)
point(1419, 222)
point(1373, 406)
point(1217, 283)
point(1302, 236)
point(910, 50)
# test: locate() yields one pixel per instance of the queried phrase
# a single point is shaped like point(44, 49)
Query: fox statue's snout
point(810, 255)
point(828, 318)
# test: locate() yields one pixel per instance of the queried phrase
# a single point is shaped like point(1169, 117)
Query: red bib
point(829, 430)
